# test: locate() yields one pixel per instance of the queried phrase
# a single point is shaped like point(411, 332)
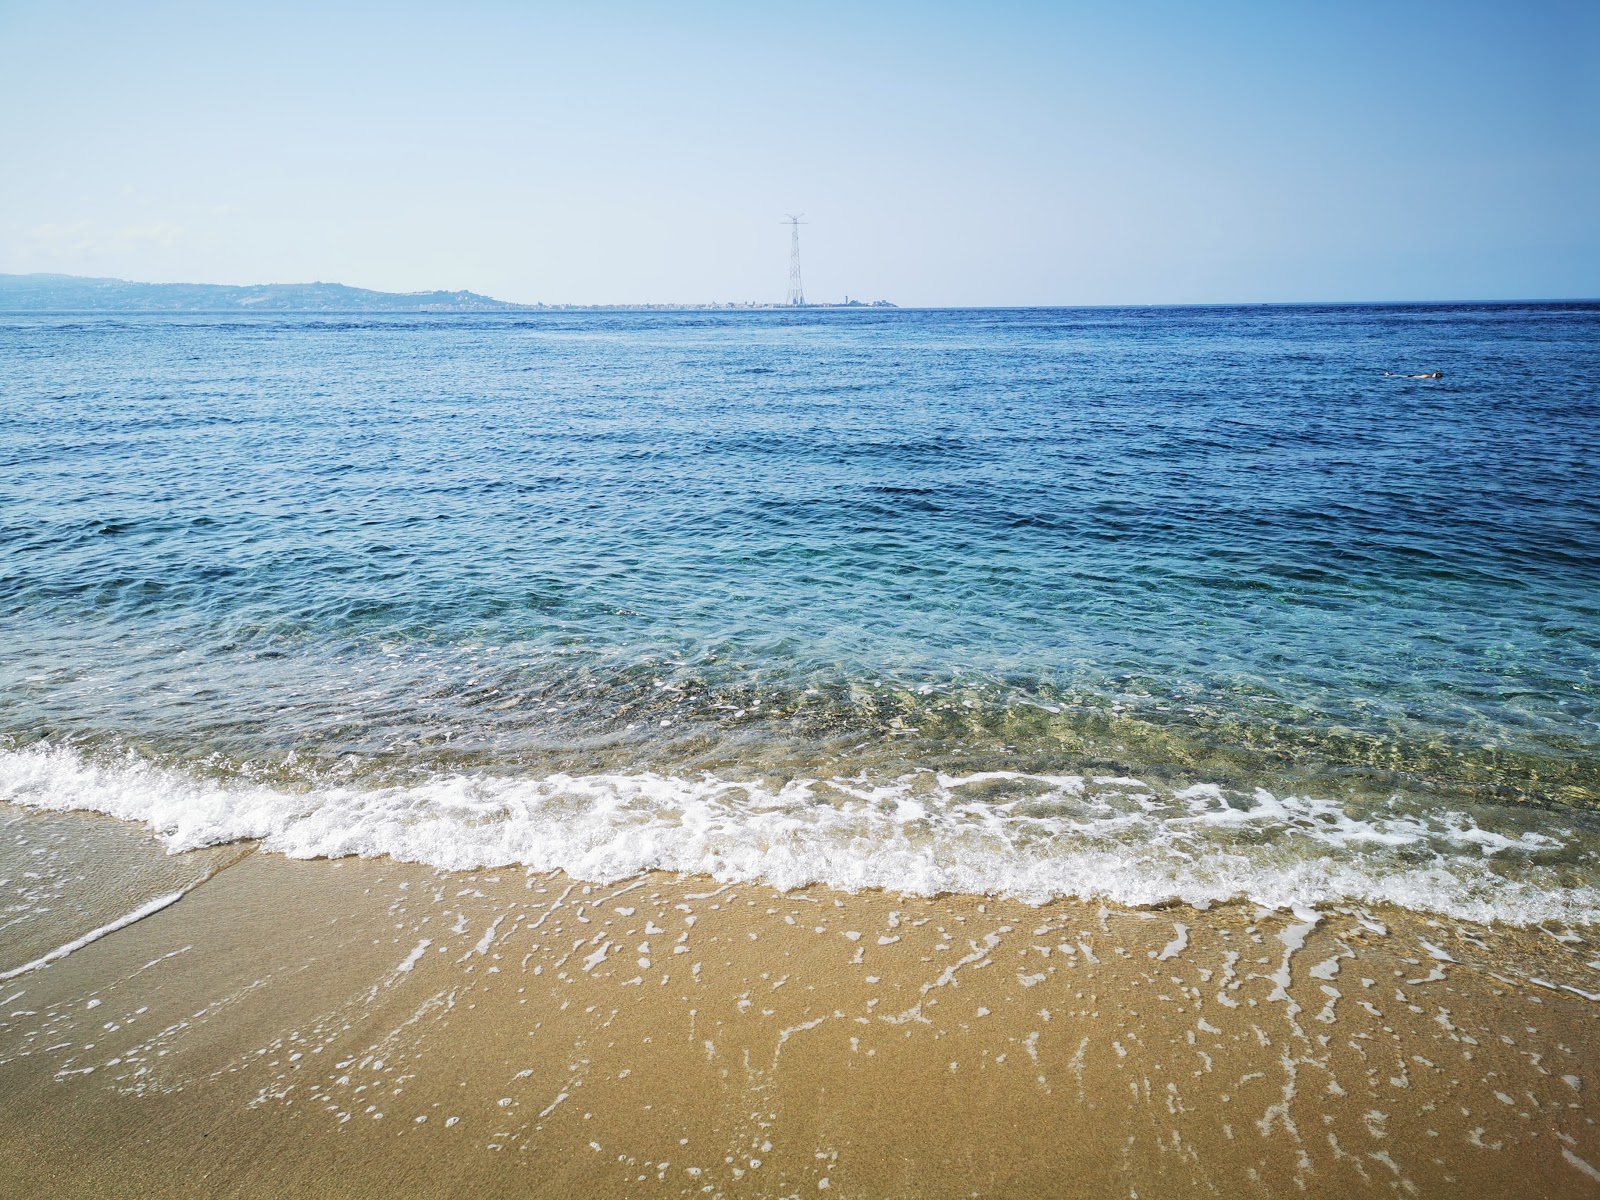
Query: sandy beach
point(369, 1027)
point(970, 602)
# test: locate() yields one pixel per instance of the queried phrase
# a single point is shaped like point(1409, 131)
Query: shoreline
point(1029, 835)
point(352, 1026)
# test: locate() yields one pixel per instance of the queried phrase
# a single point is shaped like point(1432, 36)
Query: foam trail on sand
point(94, 935)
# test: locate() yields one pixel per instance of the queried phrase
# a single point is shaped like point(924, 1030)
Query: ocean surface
point(1139, 604)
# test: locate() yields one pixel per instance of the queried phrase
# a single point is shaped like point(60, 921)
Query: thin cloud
point(163, 233)
point(60, 240)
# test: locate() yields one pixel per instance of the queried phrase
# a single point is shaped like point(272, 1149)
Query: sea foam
point(1034, 837)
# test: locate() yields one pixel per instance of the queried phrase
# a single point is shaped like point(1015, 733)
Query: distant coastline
point(77, 293)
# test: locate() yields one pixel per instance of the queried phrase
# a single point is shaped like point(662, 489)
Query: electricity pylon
point(797, 294)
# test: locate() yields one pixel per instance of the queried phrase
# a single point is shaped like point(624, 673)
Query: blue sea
point(1139, 604)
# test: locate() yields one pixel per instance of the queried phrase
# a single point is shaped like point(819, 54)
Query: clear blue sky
point(986, 154)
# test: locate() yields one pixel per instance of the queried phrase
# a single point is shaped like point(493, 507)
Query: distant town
point(76, 293)
point(845, 303)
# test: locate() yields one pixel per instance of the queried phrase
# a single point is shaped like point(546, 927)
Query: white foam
point(94, 935)
point(1115, 839)
point(414, 957)
point(1178, 944)
point(1580, 1164)
point(487, 939)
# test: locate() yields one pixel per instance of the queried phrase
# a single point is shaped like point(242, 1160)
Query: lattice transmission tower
point(797, 293)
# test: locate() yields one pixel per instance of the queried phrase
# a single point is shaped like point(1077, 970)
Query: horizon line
point(736, 305)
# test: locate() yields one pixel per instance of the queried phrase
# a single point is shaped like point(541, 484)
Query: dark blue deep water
point(1139, 602)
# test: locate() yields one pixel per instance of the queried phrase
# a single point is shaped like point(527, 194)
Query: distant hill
point(44, 293)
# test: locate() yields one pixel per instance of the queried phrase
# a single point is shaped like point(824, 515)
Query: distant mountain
point(43, 293)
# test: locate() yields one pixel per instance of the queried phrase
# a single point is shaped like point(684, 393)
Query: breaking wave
point(1035, 837)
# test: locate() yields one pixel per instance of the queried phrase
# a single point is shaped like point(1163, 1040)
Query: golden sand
point(373, 1028)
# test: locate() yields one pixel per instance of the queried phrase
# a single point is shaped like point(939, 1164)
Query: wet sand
point(373, 1028)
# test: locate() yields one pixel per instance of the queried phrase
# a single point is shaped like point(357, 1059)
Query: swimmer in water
point(1429, 375)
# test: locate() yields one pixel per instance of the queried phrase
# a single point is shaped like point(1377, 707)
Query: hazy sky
point(987, 154)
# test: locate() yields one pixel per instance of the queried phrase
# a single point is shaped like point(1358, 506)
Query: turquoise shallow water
point(1133, 602)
